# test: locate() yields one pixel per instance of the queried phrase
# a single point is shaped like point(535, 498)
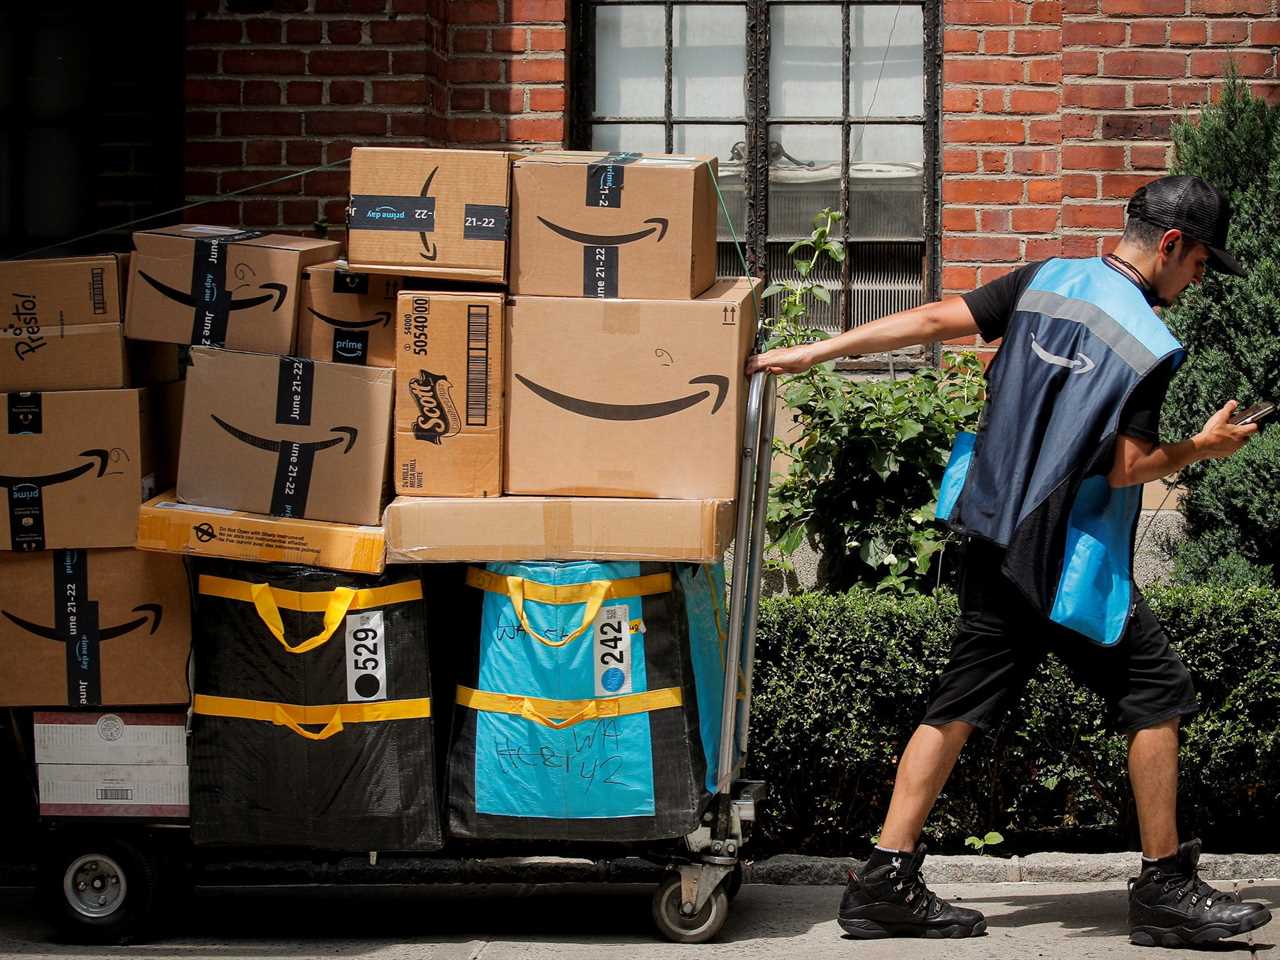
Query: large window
point(806, 104)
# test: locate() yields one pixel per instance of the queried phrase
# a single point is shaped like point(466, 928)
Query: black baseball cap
point(1195, 207)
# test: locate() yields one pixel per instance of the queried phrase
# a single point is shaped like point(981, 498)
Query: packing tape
point(557, 525)
point(621, 318)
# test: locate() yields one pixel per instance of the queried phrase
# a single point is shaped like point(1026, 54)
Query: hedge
point(842, 680)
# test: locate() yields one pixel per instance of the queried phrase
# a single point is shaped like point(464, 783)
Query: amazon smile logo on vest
point(1080, 363)
point(633, 411)
point(295, 462)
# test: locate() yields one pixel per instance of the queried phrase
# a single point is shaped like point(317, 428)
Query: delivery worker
point(1046, 497)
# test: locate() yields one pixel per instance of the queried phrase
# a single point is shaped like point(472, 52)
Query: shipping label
point(366, 657)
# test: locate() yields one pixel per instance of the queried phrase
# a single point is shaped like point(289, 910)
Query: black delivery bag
point(311, 718)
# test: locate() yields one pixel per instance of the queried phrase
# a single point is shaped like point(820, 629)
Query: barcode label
point(115, 793)
point(98, 290)
point(477, 365)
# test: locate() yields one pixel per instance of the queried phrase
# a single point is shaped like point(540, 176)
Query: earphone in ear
point(1168, 248)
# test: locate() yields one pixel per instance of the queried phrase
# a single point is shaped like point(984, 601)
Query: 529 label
point(366, 657)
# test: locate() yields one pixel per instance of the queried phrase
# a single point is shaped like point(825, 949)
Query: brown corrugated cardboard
point(285, 436)
point(69, 291)
point(75, 468)
point(613, 225)
point(61, 328)
point(439, 529)
point(93, 627)
point(627, 398)
point(347, 316)
point(168, 526)
point(219, 286)
point(449, 380)
point(85, 357)
point(429, 213)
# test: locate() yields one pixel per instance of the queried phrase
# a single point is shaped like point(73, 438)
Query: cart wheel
point(733, 882)
point(699, 928)
point(99, 890)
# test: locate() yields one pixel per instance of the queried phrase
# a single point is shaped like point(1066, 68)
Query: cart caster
point(700, 927)
point(99, 891)
point(733, 882)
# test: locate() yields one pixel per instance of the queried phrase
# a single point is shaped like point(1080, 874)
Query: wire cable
point(167, 213)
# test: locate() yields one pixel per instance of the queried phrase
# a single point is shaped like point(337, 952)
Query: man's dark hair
point(1143, 235)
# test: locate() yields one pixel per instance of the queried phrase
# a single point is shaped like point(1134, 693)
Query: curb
point(783, 869)
point(1035, 868)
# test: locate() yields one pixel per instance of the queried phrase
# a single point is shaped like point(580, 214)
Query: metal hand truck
point(103, 878)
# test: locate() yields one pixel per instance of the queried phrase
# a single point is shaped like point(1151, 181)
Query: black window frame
point(758, 119)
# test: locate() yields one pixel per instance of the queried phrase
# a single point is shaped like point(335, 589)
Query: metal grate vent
point(883, 278)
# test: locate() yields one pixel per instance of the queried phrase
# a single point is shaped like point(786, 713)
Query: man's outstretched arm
point(940, 320)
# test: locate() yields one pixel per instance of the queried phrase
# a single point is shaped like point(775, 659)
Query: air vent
point(883, 278)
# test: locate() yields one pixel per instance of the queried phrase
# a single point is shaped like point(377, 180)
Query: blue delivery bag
point(590, 708)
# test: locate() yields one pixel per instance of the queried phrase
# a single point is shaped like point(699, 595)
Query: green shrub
point(1229, 326)
point(866, 464)
point(842, 681)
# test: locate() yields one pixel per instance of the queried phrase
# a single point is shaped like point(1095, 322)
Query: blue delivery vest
point(1033, 478)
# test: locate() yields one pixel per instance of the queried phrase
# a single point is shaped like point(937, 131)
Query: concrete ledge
point(1038, 867)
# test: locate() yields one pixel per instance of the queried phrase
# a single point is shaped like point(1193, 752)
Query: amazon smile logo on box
point(295, 462)
point(633, 411)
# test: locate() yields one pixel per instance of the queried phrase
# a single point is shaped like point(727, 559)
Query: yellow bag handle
point(591, 594)
point(334, 604)
point(588, 712)
point(333, 716)
point(282, 719)
point(595, 599)
point(541, 711)
point(264, 600)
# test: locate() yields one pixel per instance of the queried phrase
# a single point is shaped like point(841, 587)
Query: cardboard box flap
point(228, 363)
point(588, 157)
point(147, 241)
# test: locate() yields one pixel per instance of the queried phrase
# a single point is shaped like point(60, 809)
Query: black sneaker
point(1173, 907)
point(892, 901)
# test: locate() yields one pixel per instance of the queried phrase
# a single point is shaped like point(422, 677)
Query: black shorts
point(1002, 639)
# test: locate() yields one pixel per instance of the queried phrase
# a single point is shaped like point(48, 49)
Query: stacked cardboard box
point(112, 764)
point(286, 419)
point(85, 620)
point(619, 374)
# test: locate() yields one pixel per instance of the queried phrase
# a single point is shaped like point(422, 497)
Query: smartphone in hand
point(1255, 413)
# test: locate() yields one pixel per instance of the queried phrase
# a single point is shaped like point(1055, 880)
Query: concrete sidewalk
point(1078, 921)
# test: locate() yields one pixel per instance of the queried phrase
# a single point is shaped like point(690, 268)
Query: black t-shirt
point(992, 306)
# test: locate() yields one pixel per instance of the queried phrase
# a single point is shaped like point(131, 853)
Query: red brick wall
point(299, 83)
point(1055, 112)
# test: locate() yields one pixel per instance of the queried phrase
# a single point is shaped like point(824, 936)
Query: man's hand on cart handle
point(783, 360)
